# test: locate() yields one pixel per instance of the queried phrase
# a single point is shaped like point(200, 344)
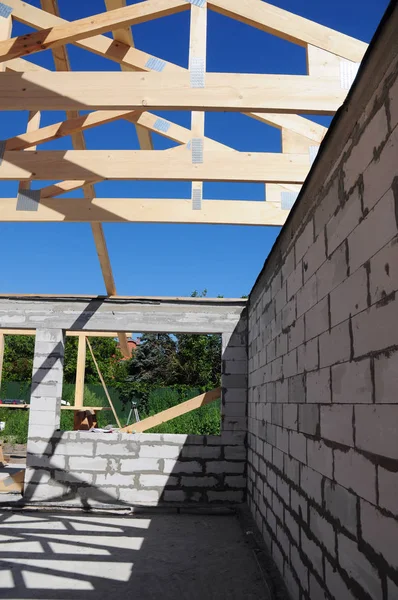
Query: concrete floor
point(167, 556)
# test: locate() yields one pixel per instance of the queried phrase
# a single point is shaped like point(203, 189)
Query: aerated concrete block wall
point(323, 367)
point(86, 468)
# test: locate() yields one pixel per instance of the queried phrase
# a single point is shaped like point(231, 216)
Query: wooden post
point(80, 371)
point(1, 356)
point(5, 33)
point(103, 384)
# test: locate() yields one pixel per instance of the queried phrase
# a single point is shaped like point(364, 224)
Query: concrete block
point(234, 381)
point(281, 391)
point(234, 367)
point(386, 378)
point(235, 452)
point(384, 272)
point(114, 479)
point(327, 207)
point(373, 135)
point(311, 483)
point(290, 416)
point(296, 389)
point(352, 383)
point(39, 446)
point(319, 386)
point(335, 346)
point(282, 439)
point(332, 272)
point(277, 507)
point(77, 463)
point(316, 591)
point(234, 423)
point(151, 480)
point(342, 505)
point(235, 409)
point(307, 296)
point(46, 462)
point(380, 532)
point(235, 481)
point(323, 531)
point(42, 431)
point(376, 429)
point(314, 257)
point(136, 465)
point(298, 446)
point(290, 364)
point(46, 492)
point(41, 417)
point(277, 415)
point(375, 329)
point(75, 449)
point(353, 471)
point(362, 242)
point(53, 361)
point(295, 281)
point(78, 478)
point(280, 298)
point(299, 567)
point(160, 451)
point(299, 505)
point(289, 313)
point(379, 175)
point(296, 334)
point(215, 466)
point(388, 489)
point(36, 476)
point(309, 419)
point(313, 553)
point(51, 389)
point(50, 335)
point(236, 395)
point(291, 469)
point(307, 356)
point(203, 452)
point(392, 589)
point(228, 496)
point(337, 424)
point(291, 583)
point(335, 583)
point(292, 526)
point(145, 497)
point(358, 567)
point(234, 353)
point(187, 466)
point(208, 482)
point(280, 345)
point(304, 241)
point(317, 319)
point(320, 457)
point(109, 449)
point(344, 221)
point(174, 496)
point(277, 459)
point(350, 297)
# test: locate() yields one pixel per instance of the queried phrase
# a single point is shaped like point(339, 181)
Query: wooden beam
point(88, 27)
point(80, 371)
point(34, 118)
point(125, 36)
point(2, 348)
point(37, 90)
point(5, 33)
point(100, 44)
point(64, 128)
point(197, 56)
point(141, 210)
point(290, 27)
point(103, 383)
point(321, 63)
point(63, 187)
point(103, 255)
point(173, 412)
point(170, 165)
point(293, 123)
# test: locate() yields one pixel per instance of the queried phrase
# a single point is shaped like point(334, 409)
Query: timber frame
point(156, 84)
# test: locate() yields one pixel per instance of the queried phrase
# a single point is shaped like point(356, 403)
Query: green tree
point(18, 357)
point(106, 353)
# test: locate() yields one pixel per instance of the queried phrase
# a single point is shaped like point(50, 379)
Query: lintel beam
point(143, 210)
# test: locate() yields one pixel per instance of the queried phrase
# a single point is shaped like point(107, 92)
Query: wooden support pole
point(103, 383)
point(5, 34)
point(173, 412)
point(80, 371)
point(2, 347)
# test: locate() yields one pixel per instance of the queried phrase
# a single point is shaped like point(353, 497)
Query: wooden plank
point(173, 412)
point(34, 118)
point(290, 27)
point(294, 123)
point(14, 483)
point(218, 165)
point(103, 383)
point(62, 187)
point(295, 143)
point(321, 63)
point(5, 33)
point(90, 26)
point(80, 371)
point(197, 52)
point(2, 348)
point(142, 210)
point(100, 44)
point(125, 36)
point(124, 345)
point(37, 90)
point(63, 407)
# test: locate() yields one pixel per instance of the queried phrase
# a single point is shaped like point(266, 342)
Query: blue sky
point(160, 259)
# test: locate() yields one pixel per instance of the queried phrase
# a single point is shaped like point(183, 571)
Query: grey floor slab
point(167, 556)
